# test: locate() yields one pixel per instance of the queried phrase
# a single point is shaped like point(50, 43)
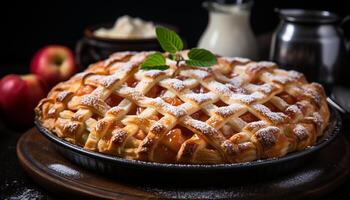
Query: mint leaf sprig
point(171, 42)
point(155, 61)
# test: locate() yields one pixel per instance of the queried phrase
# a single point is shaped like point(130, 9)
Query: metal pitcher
point(311, 42)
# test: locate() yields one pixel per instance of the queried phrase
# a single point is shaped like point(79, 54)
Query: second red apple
point(19, 96)
point(53, 64)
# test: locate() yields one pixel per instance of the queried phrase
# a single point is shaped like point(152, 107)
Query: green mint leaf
point(162, 67)
point(201, 58)
point(154, 61)
point(171, 56)
point(169, 40)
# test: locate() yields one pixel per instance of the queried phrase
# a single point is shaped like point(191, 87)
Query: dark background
point(27, 26)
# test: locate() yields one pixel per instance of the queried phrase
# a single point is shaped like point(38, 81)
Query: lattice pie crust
point(236, 111)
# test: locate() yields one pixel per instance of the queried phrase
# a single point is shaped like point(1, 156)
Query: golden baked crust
point(236, 111)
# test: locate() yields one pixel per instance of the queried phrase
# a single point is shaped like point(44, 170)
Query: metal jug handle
point(331, 100)
point(342, 23)
point(344, 20)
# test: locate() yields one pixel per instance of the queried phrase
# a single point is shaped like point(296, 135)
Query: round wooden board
point(327, 170)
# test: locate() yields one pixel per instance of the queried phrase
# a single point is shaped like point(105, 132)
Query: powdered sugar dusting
point(121, 72)
point(280, 79)
point(301, 132)
point(248, 98)
point(265, 88)
point(190, 82)
point(237, 81)
point(101, 124)
point(126, 68)
point(266, 64)
point(220, 88)
point(89, 100)
point(236, 59)
point(153, 73)
point(293, 109)
point(140, 57)
point(115, 110)
point(283, 79)
point(273, 116)
point(257, 67)
point(132, 93)
point(177, 111)
point(176, 84)
point(295, 74)
point(158, 128)
point(235, 89)
point(108, 81)
point(199, 74)
point(200, 97)
point(23, 194)
point(317, 119)
point(71, 127)
point(62, 95)
point(64, 170)
point(95, 102)
point(313, 94)
point(52, 111)
point(200, 126)
point(228, 111)
point(267, 136)
point(125, 90)
point(255, 126)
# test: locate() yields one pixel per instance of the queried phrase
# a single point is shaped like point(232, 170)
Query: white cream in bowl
point(127, 27)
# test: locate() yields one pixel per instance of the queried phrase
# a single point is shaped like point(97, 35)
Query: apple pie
point(235, 111)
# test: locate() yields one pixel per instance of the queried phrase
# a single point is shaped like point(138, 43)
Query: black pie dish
point(151, 172)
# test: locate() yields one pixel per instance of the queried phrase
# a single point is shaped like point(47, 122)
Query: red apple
point(20, 95)
point(53, 63)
